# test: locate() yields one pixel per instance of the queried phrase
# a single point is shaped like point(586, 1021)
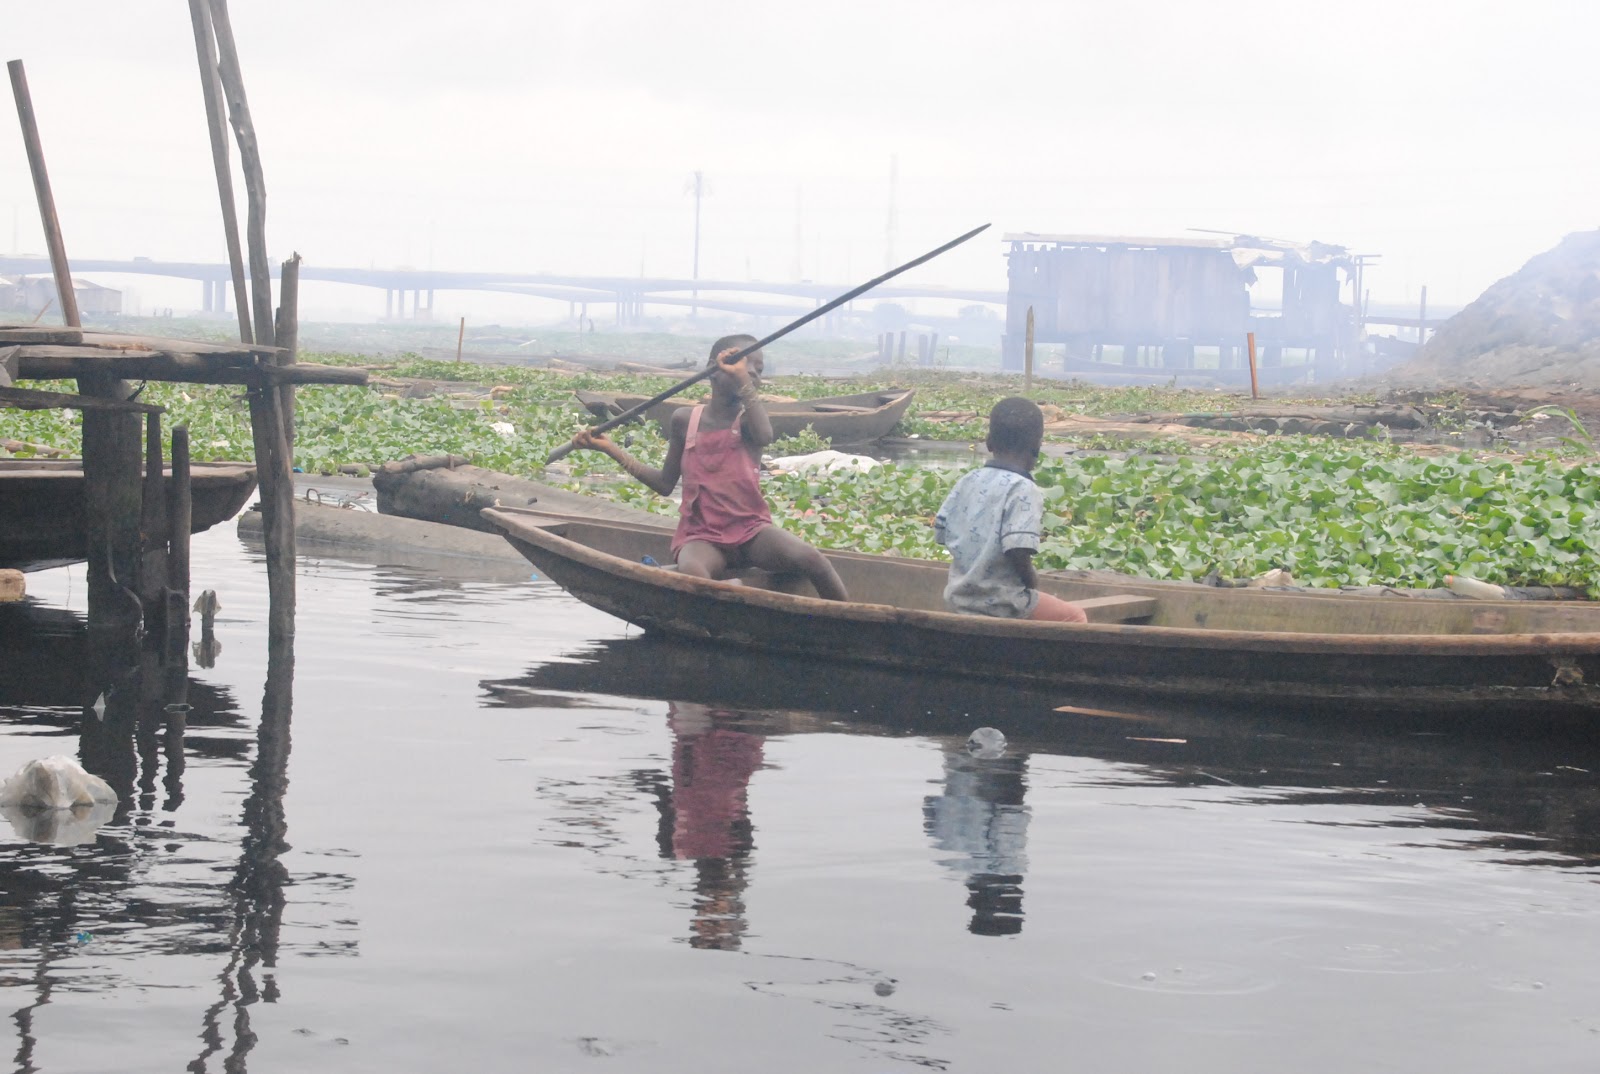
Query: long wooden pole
point(855, 292)
point(41, 190)
point(205, 46)
point(461, 337)
point(255, 186)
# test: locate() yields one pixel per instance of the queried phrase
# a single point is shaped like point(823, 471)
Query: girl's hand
point(740, 370)
point(587, 440)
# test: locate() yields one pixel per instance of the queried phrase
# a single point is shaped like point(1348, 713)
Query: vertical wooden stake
point(461, 338)
point(153, 523)
point(1250, 340)
point(180, 512)
point(211, 88)
point(41, 190)
point(287, 331)
point(1027, 356)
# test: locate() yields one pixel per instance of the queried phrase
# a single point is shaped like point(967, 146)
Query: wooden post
point(211, 88)
point(153, 523)
point(1250, 341)
point(287, 331)
point(1027, 356)
point(250, 162)
point(461, 337)
point(41, 190)
point(1422, 318)
point(180, 511)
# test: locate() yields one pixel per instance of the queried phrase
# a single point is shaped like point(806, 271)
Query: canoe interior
point(41, 507)
point(919, 585)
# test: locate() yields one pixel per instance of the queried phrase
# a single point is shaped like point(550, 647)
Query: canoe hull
point(1498, 671)
point(42, 521)
point(878, 414)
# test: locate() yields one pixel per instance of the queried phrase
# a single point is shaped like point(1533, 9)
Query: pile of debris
point(1539, 327)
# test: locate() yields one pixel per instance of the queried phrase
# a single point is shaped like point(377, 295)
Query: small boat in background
point(41, 507)
point(843, 419)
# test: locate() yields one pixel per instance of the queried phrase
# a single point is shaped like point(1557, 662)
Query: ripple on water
point(1355, 950)
point(1191, 977)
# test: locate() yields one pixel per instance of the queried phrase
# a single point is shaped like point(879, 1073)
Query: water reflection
point(981, 821)
point(706, 817)
point(54, 901)
point(1528, 787)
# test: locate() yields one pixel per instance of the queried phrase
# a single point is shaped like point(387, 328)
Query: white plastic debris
point(1471, 587)
point(986, 743)
point(504, 428)
point(55, 783)
point(1274, 577)
point(828, 461)
point(207, 604)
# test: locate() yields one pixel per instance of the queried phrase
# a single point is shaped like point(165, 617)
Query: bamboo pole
point(461, 337)
point(1027, 356)
point(211, 88)
point(1250, 341)
point(250, 162)
point(41, 190)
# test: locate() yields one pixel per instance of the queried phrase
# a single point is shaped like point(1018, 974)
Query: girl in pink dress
point(724, 523)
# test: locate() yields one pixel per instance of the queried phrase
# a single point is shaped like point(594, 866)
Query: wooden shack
point(1162, 305)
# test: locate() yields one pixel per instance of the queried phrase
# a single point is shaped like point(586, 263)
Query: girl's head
point(754, 364)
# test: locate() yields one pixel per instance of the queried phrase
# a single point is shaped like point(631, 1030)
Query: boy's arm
point(1021, 560)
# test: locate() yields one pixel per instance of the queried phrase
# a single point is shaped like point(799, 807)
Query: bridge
point(628, 295)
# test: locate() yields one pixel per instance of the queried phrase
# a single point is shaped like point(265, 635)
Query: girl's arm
point(661, 481)
point(757, 426)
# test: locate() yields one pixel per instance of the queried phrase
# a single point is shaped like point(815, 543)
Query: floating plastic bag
point(828, 461)
point(55, 783)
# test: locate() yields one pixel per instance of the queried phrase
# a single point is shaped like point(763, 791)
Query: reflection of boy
point(991, 521)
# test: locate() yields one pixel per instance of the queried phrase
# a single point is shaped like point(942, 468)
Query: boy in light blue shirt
point(991, 523)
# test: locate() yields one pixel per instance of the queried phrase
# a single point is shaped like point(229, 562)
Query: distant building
point(31, 294)
point(1157, 306)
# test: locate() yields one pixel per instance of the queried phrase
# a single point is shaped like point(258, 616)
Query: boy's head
point(1016, 430)
point(739, 342)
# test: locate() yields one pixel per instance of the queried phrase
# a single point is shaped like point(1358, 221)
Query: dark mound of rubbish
point(1539, 327)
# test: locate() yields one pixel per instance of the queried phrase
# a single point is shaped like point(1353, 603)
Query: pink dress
point(722, 501)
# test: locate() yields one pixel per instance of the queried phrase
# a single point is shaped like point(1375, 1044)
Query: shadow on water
point(1528, 792)
point(135, 722)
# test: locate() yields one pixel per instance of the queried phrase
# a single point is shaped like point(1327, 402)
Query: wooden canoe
point(844, 419)
point(41, 507)
point(1242, 645)
point(449, 490)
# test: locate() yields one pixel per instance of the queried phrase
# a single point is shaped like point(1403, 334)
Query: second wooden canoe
point(841, 420)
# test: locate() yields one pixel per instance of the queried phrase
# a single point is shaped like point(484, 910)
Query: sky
point(1455, 140)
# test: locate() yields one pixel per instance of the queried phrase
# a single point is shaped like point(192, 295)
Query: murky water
point(473, 825)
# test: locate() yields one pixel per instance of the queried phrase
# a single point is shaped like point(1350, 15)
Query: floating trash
point(986, 743)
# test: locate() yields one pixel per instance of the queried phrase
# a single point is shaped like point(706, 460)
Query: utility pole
point(894, 223)
point(699, 188)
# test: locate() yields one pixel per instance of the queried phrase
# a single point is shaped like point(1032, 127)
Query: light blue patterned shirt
point(990, 510)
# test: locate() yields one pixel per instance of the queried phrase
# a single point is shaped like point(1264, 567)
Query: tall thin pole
point(1250, 343)
point(699, 191)
point(461, 337)
point(41, 189)
point(250, 161)
point(205, 47)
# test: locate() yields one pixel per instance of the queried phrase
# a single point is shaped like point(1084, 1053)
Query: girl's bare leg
point(774, 550)
point(702, 560)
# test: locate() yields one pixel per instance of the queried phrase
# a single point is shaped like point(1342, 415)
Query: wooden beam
point(41, 190)
point(211, 88)
point(287, 331)
point(185, 369)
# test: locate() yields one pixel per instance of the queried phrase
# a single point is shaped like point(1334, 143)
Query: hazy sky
point(1454, 139)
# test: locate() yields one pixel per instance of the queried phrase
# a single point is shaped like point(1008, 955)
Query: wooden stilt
point(153, 526)
point(1027, 356)
point(180, 511)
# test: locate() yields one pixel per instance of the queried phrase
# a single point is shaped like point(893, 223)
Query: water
point(502, 832)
